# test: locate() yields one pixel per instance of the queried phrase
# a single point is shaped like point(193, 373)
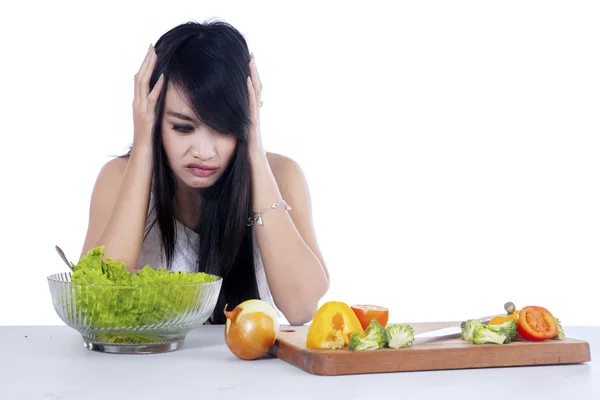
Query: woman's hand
point(144, 103)
point(254, 101)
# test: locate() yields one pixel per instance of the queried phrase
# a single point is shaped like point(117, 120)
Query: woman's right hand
point(144, 103)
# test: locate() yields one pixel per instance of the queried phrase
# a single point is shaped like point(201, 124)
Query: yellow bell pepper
point(500, 319)
point(332, 326)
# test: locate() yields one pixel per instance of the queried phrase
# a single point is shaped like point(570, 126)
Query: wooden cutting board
point(442, 353)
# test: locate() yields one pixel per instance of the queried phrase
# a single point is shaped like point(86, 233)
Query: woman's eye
point(183, 128)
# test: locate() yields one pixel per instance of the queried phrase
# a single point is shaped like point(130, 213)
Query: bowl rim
point(54, 278)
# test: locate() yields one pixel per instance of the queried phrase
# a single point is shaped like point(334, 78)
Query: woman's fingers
point(148, 55)
point(145, 104)
point(153, 96)
point(144, 81)
point(259, 81)
point(137, 77)
point(255, 79)
point(251, 100)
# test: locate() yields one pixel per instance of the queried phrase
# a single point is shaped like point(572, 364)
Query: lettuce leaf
point(108, 297)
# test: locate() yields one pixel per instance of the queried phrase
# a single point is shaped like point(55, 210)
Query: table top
point(50, 362)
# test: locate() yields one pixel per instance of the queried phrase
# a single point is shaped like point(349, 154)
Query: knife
point(452, 330)
point(509, 307)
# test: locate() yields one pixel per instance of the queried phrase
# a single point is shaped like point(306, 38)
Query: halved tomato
point(536, 323)
point(366, 313)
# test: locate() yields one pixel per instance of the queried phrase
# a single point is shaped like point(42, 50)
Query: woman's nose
point(203, 152)
point(203, 147)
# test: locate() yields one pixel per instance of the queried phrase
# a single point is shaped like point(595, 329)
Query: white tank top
point(185, 255)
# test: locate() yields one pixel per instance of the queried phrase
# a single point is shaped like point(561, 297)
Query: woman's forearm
point(295, 274)
point(123, 232)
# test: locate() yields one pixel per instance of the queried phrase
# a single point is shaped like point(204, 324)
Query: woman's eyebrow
point(180, 116)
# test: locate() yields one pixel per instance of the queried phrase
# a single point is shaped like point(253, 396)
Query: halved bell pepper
point(500, 319)
point(332, 326)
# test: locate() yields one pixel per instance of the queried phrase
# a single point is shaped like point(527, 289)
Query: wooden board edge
point(324, 363)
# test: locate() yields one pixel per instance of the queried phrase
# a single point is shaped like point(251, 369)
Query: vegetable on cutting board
point(532, 323)
point(377, 337)
point(511, 313)
point(482, 335)
point(500, 319)
point(507, 329)
point(561, 333)
point(479, 333)
point(400, 336)
point(336, 325)
point(367, 312)
point(537, 323)
point(362, 327)
point(332, 326)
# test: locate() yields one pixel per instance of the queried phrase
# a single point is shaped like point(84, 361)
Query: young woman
point(197, 191)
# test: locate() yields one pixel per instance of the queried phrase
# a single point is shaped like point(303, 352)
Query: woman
point(195, 190)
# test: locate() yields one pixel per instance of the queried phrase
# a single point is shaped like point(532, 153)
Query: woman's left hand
point(255, 145)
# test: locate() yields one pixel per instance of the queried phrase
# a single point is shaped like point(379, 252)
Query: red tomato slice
point(366, 313)
point(536, 323)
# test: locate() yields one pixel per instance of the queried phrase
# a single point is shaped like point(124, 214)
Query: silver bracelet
point(258, 214)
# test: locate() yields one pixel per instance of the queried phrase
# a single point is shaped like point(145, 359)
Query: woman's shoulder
point(276, 159)
point(115, 166)
point(110, 176)
point(284, 168)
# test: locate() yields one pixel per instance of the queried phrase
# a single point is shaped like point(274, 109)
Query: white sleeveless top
point(185, 255)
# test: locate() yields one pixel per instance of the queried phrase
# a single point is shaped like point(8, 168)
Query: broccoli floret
point(375, 338)
point(375, 331)
point(507, 329)
point(400, 336)
point(357, 343)
point(469, 328)
point(561, 333)
point(482, 335)
point(354, 342)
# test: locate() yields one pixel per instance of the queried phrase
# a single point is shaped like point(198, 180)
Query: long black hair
point(209, 62)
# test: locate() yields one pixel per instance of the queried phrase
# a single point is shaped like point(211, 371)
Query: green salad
point(112, 297)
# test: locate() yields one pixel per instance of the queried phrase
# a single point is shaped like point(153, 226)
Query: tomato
point(367, 313)
point(536, 323)
point(332, 326)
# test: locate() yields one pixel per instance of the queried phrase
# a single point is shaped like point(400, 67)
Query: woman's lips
point(201, 170)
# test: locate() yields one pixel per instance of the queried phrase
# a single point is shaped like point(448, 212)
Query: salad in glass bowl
point(116, 311)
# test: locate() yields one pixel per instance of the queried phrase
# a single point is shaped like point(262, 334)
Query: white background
point(452, 148)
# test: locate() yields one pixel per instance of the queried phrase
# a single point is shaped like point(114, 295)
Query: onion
point(251, 329)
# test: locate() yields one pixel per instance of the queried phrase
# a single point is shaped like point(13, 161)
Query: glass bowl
point(151, 318)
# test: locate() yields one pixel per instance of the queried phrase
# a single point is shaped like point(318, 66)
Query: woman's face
point(197, 155)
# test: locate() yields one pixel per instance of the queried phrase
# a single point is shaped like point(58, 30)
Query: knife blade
point(452, 330)
point(449, 331)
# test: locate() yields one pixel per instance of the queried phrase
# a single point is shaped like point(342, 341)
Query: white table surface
point(51, 363)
